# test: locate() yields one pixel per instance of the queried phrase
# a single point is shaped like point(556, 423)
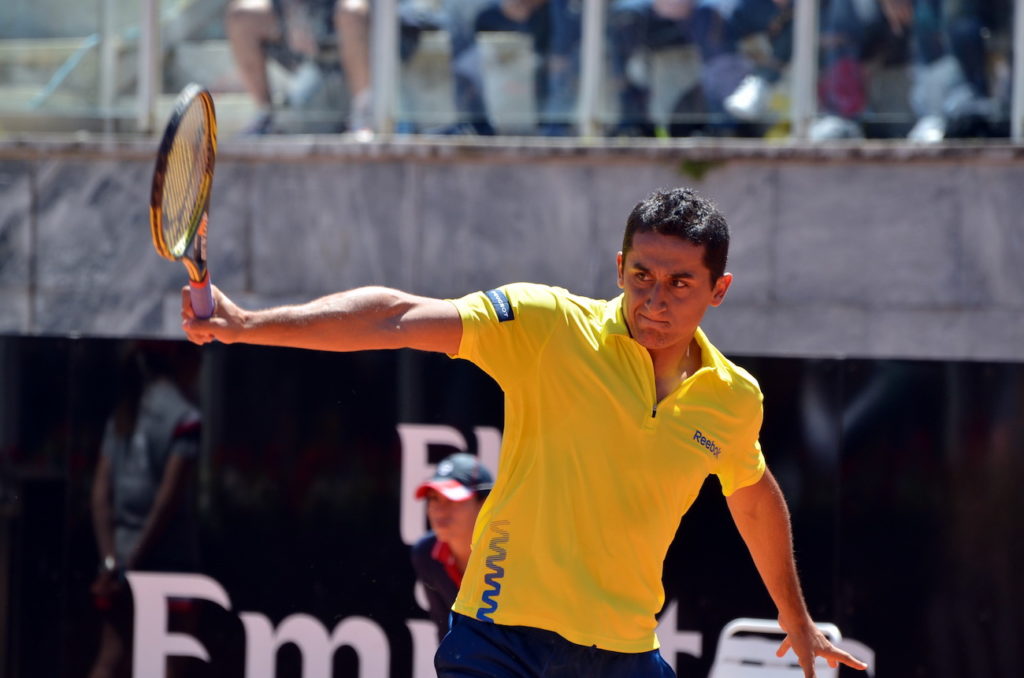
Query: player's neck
point(673, 365)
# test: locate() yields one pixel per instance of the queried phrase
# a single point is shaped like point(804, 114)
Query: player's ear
point(619, 261)
point(720, 288)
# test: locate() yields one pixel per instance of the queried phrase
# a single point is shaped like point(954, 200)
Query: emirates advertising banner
point(270, 536)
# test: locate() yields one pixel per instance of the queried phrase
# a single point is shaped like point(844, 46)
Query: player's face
point(667, 289)
point(452, 521)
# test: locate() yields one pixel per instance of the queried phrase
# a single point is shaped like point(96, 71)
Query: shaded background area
point(901, 476)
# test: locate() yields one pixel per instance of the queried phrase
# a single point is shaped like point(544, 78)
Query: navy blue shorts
point(475, 649)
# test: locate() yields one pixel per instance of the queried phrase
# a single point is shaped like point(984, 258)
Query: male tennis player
point(615, 413)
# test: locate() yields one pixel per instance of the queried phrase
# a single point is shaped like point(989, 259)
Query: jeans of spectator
point(412, 21)
point(563, 63)
point(956, 27)
point(537, 26)
point(633, 25)
point(467, 70)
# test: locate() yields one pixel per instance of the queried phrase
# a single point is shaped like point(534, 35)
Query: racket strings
point(186, 180)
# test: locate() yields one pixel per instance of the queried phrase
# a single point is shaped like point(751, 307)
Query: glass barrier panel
point(50, 60)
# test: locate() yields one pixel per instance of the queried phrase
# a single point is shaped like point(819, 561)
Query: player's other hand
point(224, 325)
point(807, 642)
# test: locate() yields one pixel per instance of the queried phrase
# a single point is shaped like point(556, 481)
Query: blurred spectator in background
point(733, 83)
point(353, 24)
point(289, 31)
point(352, 21)
point(633, 26)
point(454, 497)
point(741, 88)
point(736, 85)
point(298, 34)
point(554, 27)
point(143, 503)
point(951, 91)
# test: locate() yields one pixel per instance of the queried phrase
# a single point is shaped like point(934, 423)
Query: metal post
point(804, 70)
point(1017, 107)
point(110, 43)
point(384, 64)
point(149, 64)
point(592, 61)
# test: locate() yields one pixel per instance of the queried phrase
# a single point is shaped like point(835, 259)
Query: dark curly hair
point(683, 213)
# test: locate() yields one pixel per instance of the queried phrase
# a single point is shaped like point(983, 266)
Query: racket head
point(183, 178)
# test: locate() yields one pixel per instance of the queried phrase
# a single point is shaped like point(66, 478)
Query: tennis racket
point(180, 200)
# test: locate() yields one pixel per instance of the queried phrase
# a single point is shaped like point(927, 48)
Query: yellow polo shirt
point(594, 475)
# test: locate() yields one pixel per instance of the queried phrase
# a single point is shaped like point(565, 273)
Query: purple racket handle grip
point(202, 297)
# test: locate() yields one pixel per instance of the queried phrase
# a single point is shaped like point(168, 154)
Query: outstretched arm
point(762, 518)
point(361, 319)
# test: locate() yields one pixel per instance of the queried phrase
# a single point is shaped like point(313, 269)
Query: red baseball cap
point(458, 477)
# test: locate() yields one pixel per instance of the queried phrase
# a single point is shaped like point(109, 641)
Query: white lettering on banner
point(674, 641)
point(424, 646)
point(154, 643)
point(317, 649)
point(416, 440)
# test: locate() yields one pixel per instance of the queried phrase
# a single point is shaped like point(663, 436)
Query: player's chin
point(653, 340)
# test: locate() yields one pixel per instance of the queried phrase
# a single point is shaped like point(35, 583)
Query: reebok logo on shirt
point(707, 442)
point(499, 301)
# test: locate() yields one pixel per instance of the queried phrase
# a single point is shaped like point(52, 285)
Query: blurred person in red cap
point(454, 496)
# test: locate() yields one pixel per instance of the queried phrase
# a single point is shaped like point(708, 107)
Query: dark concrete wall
point(871, 250)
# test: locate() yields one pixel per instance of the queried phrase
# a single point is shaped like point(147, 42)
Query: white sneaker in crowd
point(749, 102)
point(360, 119)
point(930, 129)
point(834, 127)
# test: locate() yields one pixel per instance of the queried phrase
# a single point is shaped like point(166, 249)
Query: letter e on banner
point(153, 643)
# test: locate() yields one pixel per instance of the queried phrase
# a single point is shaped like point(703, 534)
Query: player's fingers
point(836, 655)
point(784, 647)
point(186, 303)
point(194, 334)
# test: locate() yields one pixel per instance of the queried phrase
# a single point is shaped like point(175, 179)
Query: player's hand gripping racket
point(180, 201)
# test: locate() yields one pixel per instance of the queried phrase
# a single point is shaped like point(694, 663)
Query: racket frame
point(191, 248)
